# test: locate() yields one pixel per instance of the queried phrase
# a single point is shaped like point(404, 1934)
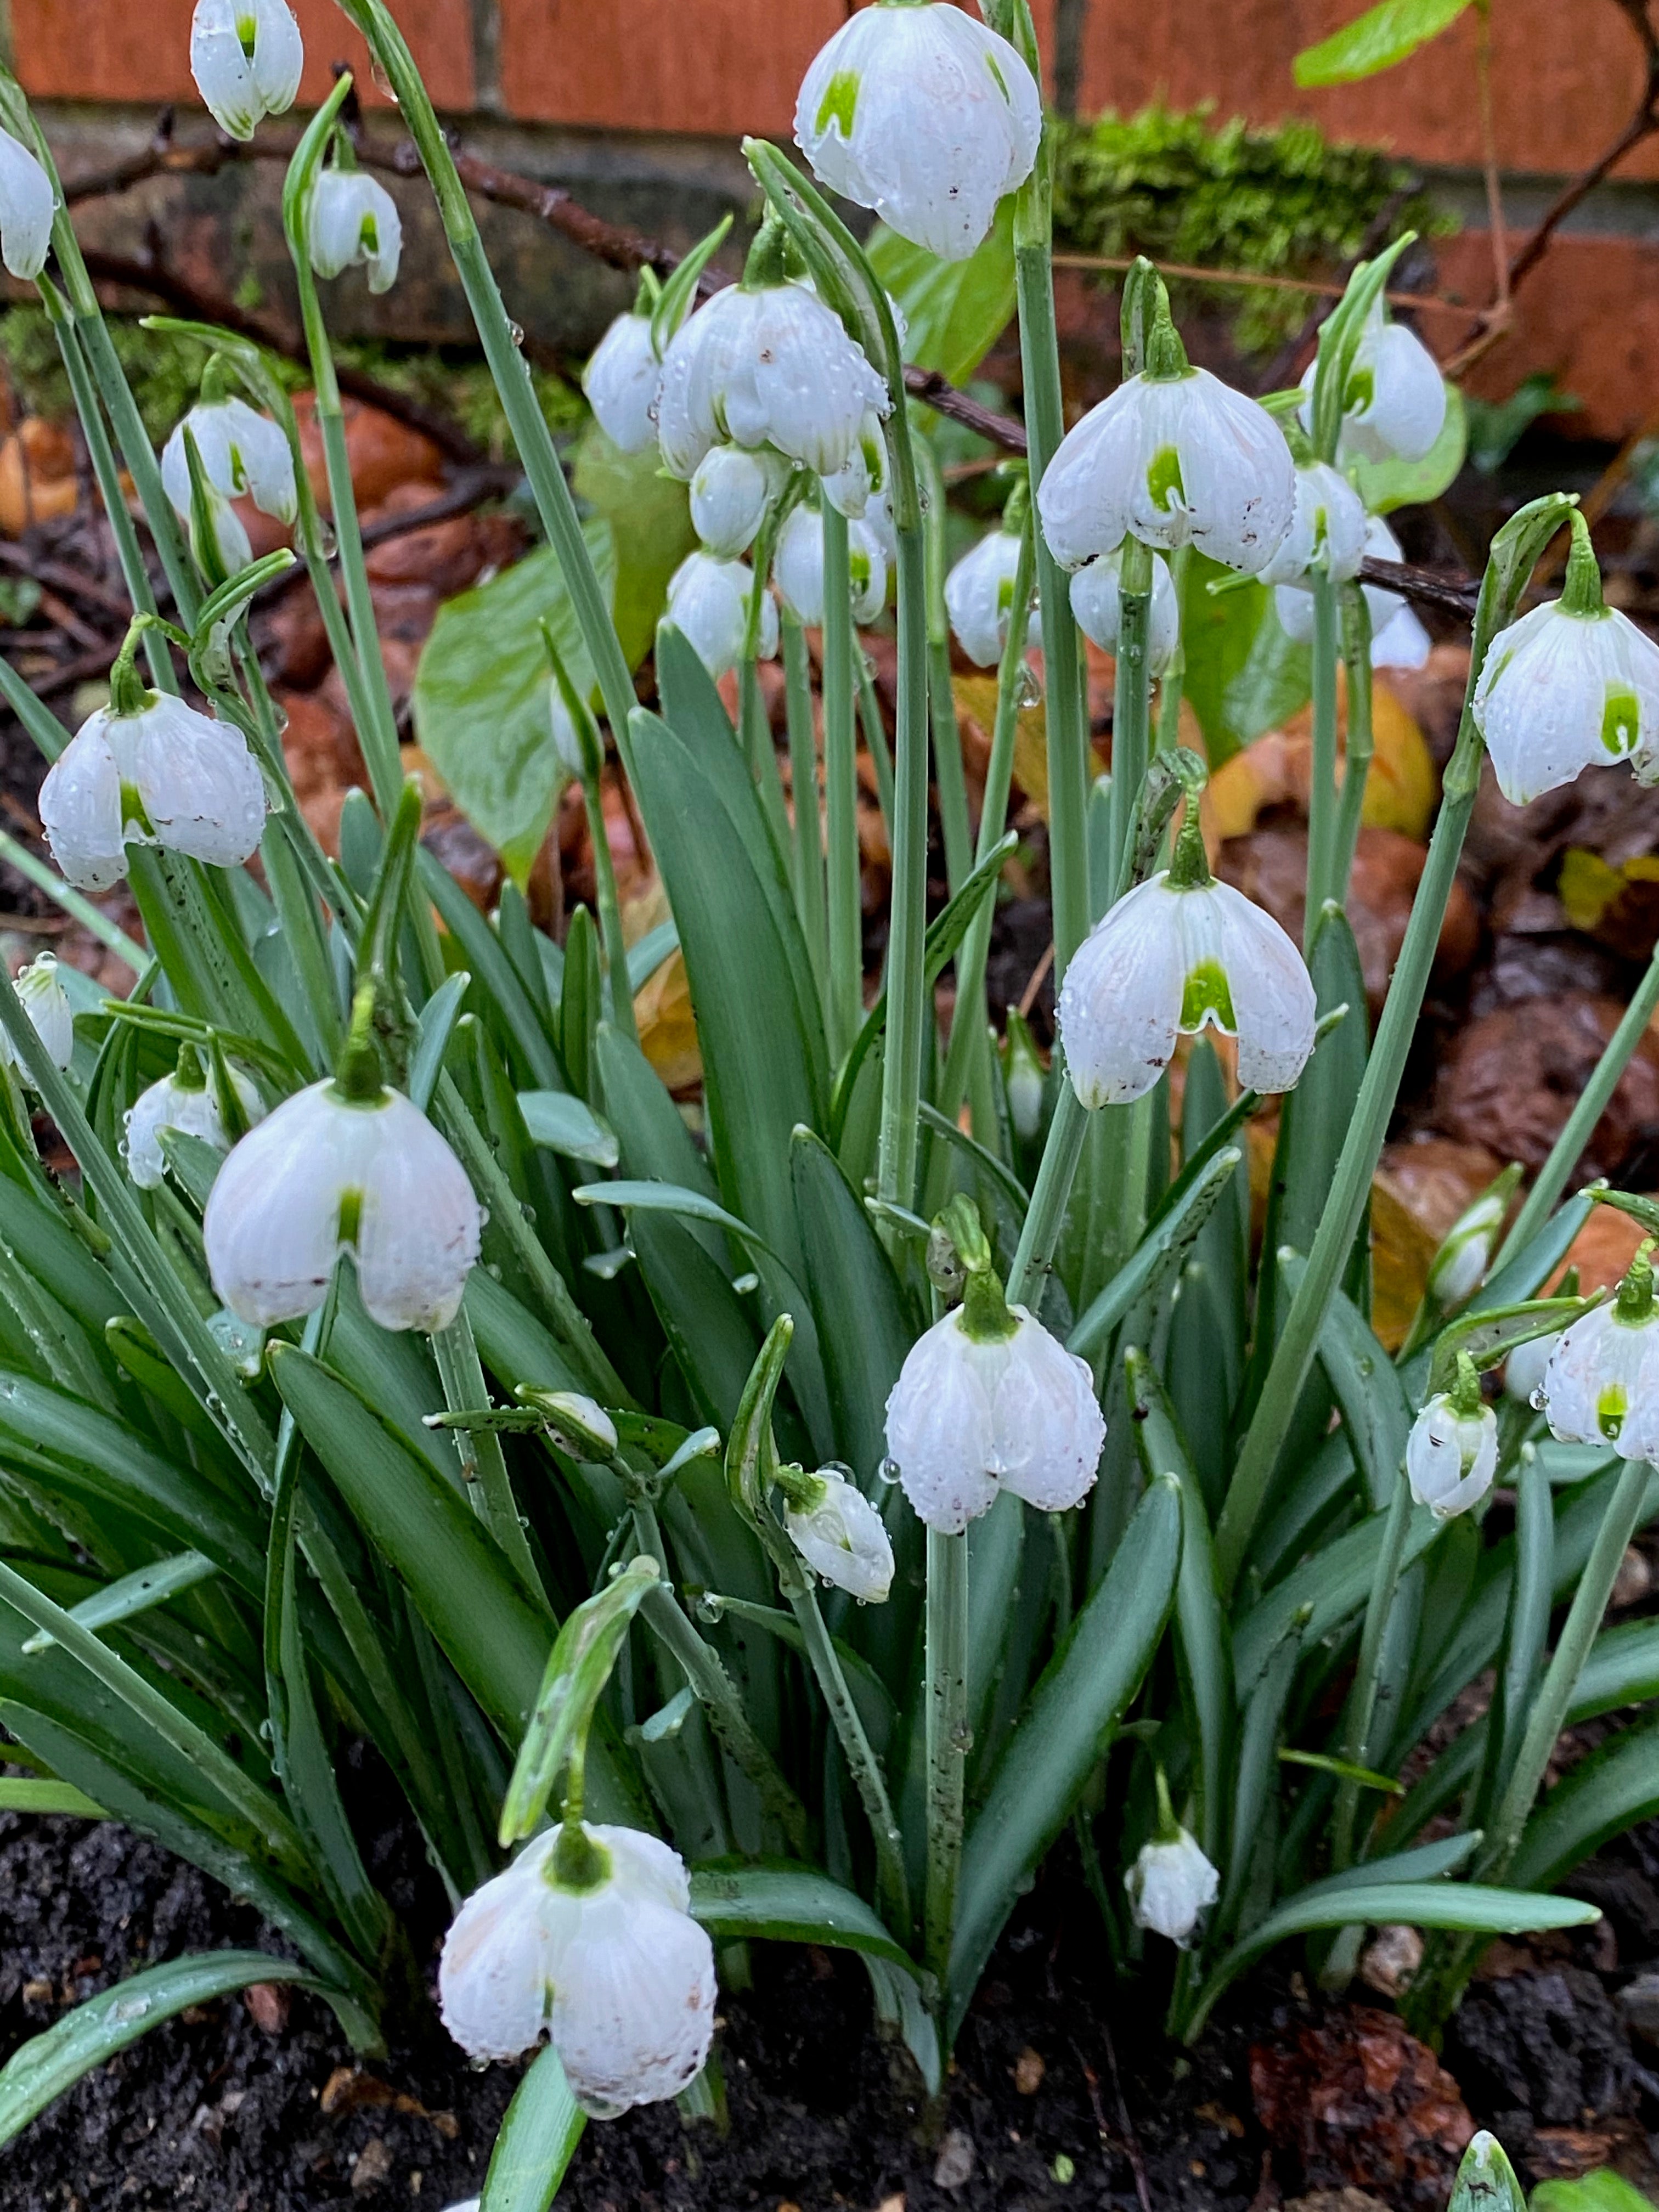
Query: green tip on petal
point(1163, 480)
point(840, 103)
point(1207, 993)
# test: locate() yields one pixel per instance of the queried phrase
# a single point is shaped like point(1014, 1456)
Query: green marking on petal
point(351, 1216)
point(134, 819)
point(1163, 479)
point(841, 99)
point(1004, 594)
point(248, 34)
point(1001, 81)
point(368, 236)
point(1207, 996)
point(1611, 1408)
point(1362, 390)
point(1621, 719)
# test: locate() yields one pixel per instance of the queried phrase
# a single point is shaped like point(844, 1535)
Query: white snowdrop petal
point(1600, 1374)
point(200, 787)
point(621, 381)
point(1407, 407)
point(925, 115)
point(632, 2012)
point(421, 1226)
point(222, 71)
point(939, 1428)
point(80, 806)
point(46, 1003)
point(27, 204)
point(1120, 1004)
point(1170, 1885)
point(978, 594)
point(494, 1976)
point(842, 1538)
point(1047, 1426)
point(1274, 1008)
point(1097, 604)
point(1525, 1368)
point(1560, 693)
point(798, 565)
point(708, 600)
point(192, 1113)
point(1326, 532)
point(1402, 641)
point(1451, 1458)
point(848, 489)
point(353, 220)
point(730, 493)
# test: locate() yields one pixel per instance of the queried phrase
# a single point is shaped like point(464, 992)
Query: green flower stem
point(968, 1024)
point(483, 1464)
point(507, 367)
point(1046, 1214)
point(91, 918)
point(947, 737)
point(1172, 683)
point(1357, 752)
point(908, 1007)
point(1130, 701)
point(803, 784)
point(875, 736)
point(704, 1670)
point(947, 1739)
point(846, 909)
point(610, 928)
point(1514, 551)
point(1356, 1747)
point(755, 734)
point(1321, 801)
point(1569, 1147)
point(892, 1884)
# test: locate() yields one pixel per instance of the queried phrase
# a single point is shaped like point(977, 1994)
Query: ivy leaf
point(956, 311)
point(1243, 675)
point(1375, 40)
point(650, 518)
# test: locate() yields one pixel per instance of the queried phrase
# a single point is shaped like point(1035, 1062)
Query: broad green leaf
point(560, 1120)
point(956, 311)
point(481, 696)
point(132, 1595)
point(651, 532)
point(578, 1668)
point(537, 2140)
point(1374, 41)
point(1066, 1726)
point(1467, 1906)
point(1606, 1793)
point(790, 1903)
point(1242, 674)
point(47, 2065)
point(1604, 2191)
point(1385, 485)
point(863, 1330)
point(1165, 1244)
point(28, 1795)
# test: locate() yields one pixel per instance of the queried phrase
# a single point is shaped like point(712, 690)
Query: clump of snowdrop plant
point(918, 1450)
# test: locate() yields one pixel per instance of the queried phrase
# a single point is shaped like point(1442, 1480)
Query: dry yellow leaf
point(668, 1032)
point(976, 697)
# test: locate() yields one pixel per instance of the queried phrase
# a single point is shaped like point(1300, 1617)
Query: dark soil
point(1065, 2092)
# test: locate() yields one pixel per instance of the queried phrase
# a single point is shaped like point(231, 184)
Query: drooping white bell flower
point(1097, 606)
point(708, 600)
point(1402, 641)
point(979, 594)
point(187, 1102)
point(27, 204)
point(924, 114)
point(1572, 685)
point(353, 220)
point(730, 491)
point(158, 773)
point(765, 363)
point(988, 1399)
point(1171, 1883)
point(577, 1424)
point(244, 454)
point(621, 381)
point(246, 56)
point(616, 1970)
point(1395, 406)
point(1451, 1453)
point(1173, 456)
point(838, 1533)
point(1327, 535)
point(1601, 1384)
point(1459, 1267)
point(798, 568)
point(325, 1174)
point(1398, 638)
point(46, 1003)
point(849, 490)
point(1178, 951)
point(1525, 1368)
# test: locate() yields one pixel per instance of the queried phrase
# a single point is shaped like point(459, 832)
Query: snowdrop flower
point(577, 1424)
point(798, 568)
point(185, 1101)
point(1459, 1267)
point(988, 1399)
point(1327, 535)
point(27, 204)
point(1525, 1368)
point(148, 770)
point(246, 56)
point(345, 1166)
point(1451, 1453)
point(1173, 456)
point(730, 491)
point(838, 1532)
point(1571, 686)
point(1402, 641)
point(708, 600)
point(924, 114)
point(766, 363)
point(1174, 953)
point(353, 220)
point(596, 1945)
point(849, 490)
point(1171, 1883)
point(1398, 638)
point(978, 593)
point(621, 381)
point(1097, 608)
point(242, 455)
point(1395, 406)
point(1601, 1384)
point(46, 1003)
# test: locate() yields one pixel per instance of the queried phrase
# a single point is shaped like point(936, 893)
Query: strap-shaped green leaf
point(537, 2142)
point(790, 1903)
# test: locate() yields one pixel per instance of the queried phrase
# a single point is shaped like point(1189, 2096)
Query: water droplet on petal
point(888, 1472)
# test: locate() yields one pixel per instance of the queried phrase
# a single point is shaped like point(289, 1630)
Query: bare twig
point(63, 576)
point(1431, 587)
point(1322, 288)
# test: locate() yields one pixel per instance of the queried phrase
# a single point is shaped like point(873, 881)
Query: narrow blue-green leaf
point(537, 2142)
point(432, 1036)
point(132, 1595)
point(19, 1795)
point(563, 1122)
point(645, 958)
point(1606, 1793)
point(1160, 1250)
point(790, 1903)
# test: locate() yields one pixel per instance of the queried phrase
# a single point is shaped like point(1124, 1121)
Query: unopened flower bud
point(354, 222)
point(1170, 1886)
point(798, 568)
point(46, 1003)
point(621, 381)
point(839, 1533)
point(730, 491)
point(1451, 1453)
point(246, 56)
point(1097, 608)
point(27, 205)
point(708, 600)
point(187, 1104)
